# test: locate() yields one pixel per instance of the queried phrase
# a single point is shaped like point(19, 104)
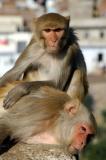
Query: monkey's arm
point(27, 58)
point(22, 89)
point(13, 74)
point(28, 51)
point(79, 84)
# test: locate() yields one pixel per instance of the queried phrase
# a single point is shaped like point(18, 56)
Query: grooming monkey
point(53, 54)
point(47, 115)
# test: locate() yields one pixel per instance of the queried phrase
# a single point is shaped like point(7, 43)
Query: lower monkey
point(47, 115)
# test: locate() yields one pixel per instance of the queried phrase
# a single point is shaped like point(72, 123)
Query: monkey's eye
point(58, 29)
point(47, 30)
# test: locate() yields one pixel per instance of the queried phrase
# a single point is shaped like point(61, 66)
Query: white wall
point(91, 55)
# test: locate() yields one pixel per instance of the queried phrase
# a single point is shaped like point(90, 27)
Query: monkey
point(53, 54)
point(47, 116)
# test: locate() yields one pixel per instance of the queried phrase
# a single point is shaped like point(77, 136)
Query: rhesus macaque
point(47, 115)
point(53, 54)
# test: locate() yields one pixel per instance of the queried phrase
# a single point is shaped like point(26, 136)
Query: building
point(11, 45)
point(92, 39)
point(14, 31)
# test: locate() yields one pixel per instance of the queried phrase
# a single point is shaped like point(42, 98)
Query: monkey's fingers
point(11, 99)
point(13, 96)
point(9, 102)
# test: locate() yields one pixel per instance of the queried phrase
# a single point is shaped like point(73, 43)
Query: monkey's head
point(78, 127)
point(51, 30)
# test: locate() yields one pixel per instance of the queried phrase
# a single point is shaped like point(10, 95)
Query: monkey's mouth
point(73, 149)
point(53, 47)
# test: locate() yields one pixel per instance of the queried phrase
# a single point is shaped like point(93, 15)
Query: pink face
point(82, 134)
point(52, 38)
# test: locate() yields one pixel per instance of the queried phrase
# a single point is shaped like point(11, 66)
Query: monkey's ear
point(72, 107)
point(68, 18)
point(68, 21)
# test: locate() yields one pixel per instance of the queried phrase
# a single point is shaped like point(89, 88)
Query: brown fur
point(36, 63)
point(45, 111)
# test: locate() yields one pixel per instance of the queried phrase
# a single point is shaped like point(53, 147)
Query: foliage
point(96, 151)
point(104, 115)
point(89, 101)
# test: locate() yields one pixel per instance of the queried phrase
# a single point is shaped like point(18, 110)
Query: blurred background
point(88, 17)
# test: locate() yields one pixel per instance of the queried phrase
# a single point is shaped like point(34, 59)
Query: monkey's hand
point(14, 95)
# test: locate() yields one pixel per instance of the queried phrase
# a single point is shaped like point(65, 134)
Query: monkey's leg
point(76, 89)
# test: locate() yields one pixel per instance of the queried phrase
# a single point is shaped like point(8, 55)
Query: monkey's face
point(81, 126)
point(82, 133)
point(52, 39)
point(51, 30)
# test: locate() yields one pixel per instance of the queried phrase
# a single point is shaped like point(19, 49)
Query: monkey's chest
point(47, 71)
point(50, 72)
point(56, 72)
